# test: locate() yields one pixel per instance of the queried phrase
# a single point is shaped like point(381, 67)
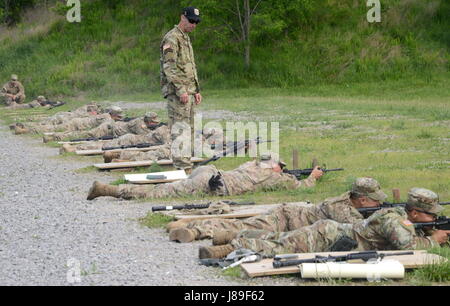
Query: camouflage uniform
point(387, 229)
point(75, 124)
point(82, 112)
point(33, 104)
point(162, 135)
point(251, 176)
point(13, 87)
point(289, 217)
point(109, 128)
point(179, 76)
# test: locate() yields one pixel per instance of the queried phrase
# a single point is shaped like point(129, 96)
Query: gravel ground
point(47, 228)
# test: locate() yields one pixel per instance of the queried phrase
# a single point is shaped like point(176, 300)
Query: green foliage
point(155, 220)
point(10, 10)
point(115, 49)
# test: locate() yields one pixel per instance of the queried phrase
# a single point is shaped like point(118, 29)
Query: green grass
point(155, 220)
point(115, 49)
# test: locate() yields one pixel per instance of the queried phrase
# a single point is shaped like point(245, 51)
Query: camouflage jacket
point(251, 176)
point(389, 229)
point(178, 70)
point(339, 209)
point(14, 88)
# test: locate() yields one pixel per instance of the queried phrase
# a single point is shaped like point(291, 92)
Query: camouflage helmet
point(424, 199)
point(271, 157)
point(151, 116)
point(115, 110)
point(368, 187)
point(14, 77)
point(41, 98)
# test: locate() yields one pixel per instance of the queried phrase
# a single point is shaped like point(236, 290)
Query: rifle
point(54, 104)
point(366, 255)
point(197, 206)
point(388, 205)
point(238, 145)
point(298, 173)
point(128, 119)
point(441, 223)
point(137, 146)
point(93, 138)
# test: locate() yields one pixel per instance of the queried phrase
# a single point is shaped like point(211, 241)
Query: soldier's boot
point(19, 130)
point(48, 138)
point(183, 235)
point(109, 156)
point(219, 251)
point(223, 237)
point(103, 190)
point(176, 224)
point(67, 148)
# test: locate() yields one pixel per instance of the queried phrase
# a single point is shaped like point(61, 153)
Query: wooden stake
point(396, 195)
point(295, 159)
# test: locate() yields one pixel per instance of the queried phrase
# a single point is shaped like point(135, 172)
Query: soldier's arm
point(174, 75)
point(402, 235)
point(340, 212)
point(21, 89)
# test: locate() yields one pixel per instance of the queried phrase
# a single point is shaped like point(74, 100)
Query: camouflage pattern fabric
point(256, 175)
point(387, 229)
point(178, 77)
point(286, 217)
point(14, 88)
point(251, 176)
point(162, 152)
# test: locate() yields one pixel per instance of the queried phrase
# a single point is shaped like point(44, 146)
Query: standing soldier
point(179, 83)
point(13, 91)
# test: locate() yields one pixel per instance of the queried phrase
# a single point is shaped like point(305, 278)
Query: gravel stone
point(45, 221)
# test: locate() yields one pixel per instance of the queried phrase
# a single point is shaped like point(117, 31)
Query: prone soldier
point(365, 192)
point(251, 176)
point(386, 229)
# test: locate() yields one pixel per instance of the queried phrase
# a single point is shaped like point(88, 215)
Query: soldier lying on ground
point(209, 136)
point(386, 229)
point(40, 102)
point(365, 192)
point(84, 116)
point(13, 91)
point(88, 127)
point(254, 175)
point(156, 132)
point(75, 124)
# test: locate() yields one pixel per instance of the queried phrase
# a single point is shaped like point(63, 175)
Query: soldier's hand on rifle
point(184, 98)
point(198, 98)
point(440, 236)
point(317, 172)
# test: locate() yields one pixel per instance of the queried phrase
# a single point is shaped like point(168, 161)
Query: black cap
point(192, 13)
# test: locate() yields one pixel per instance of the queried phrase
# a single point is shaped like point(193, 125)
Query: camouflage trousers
point(19, 99)
point(284, 218)
point(162, 152)
point(196, 183)
point(318, 237)
point(125, 140)
point(181, 118)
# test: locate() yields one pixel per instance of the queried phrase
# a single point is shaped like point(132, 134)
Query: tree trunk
point(247, 16)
